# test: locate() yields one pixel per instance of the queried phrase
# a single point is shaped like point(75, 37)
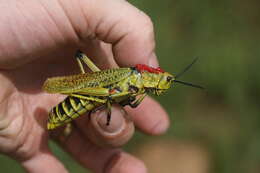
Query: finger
point(116, 134)
point(150, 117)
point(44, 162)
point(128, 29)
point(98, 159)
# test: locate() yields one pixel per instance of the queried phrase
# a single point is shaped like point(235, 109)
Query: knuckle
point(146, 21)
point(145, 26)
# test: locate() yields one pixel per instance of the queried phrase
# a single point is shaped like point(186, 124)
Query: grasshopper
point(86, 92)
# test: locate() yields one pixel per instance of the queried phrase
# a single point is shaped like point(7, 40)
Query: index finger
point(129, 30)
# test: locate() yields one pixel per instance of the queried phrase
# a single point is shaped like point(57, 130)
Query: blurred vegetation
point(224, 119)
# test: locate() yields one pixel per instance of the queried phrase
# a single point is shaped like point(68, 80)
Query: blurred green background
point(212, 131)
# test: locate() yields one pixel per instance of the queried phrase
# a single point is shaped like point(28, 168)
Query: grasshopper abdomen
point(69, 109)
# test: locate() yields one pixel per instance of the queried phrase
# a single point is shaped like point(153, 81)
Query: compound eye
point(169, 78)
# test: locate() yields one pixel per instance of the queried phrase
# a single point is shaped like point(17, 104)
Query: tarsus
point(189, 84)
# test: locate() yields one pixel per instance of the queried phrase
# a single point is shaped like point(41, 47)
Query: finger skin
point(31, 29)
point(150, 117)
point(44, 163)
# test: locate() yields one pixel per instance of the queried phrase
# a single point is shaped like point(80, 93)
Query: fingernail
point(153, 62)
point(116, 121)
point(117, 133)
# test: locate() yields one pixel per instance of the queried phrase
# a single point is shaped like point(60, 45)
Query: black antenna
point(189, 84)
point(183, 71)
point(186, 68)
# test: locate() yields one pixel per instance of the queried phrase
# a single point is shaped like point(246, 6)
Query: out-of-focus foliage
point(224, 119)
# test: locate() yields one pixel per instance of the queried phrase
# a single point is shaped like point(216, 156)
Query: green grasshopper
point(88, 92)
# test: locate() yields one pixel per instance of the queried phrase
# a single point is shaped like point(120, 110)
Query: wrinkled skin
point(38, 40)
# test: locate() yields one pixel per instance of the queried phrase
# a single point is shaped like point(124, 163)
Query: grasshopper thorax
point(155, 80)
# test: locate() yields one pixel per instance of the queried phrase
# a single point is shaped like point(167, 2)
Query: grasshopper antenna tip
point(186, 68)
point(189, 84)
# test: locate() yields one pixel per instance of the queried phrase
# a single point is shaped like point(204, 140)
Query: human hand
point(38, 39)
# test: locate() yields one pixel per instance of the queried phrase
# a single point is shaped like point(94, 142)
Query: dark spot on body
point(60, 108)
point(133, 89)
point(77, 101)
